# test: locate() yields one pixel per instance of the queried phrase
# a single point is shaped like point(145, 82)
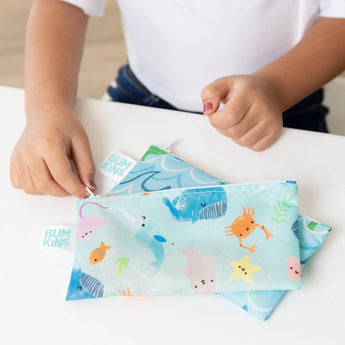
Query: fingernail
point(207, 106)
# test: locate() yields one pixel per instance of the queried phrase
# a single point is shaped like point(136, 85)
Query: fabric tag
point(117, 165)
point(61, 237)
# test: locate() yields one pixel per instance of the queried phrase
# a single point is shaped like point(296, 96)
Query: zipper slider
point(169, 148)
point(92, 195)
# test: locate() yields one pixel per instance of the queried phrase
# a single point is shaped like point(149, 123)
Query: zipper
point(169, 151)
point(92, 195)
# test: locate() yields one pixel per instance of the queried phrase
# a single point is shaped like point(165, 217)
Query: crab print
point(243, 226)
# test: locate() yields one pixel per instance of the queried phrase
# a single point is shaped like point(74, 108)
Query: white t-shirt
point(176, 47)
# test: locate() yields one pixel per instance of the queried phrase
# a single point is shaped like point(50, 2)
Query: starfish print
point(243, 269)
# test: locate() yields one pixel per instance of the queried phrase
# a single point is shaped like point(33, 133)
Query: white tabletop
point(34, 282)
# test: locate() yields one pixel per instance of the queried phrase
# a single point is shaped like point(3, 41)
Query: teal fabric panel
point(192, 240)
point(159, 169)
point(261, 304)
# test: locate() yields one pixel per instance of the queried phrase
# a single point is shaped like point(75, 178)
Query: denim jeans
point(308, 114)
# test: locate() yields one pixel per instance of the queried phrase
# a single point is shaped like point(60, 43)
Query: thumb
point(215, 93)
point(82, 158)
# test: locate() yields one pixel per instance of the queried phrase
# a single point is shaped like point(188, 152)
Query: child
point(260, 58)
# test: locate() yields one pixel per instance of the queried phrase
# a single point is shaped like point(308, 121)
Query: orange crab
point(243, 226)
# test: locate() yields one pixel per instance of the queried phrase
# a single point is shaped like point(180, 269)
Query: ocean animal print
point(243, 269)
point(243, 226)
point(150, 238)
point(199, 271)
point(126, 293)
point(198, 204)
point(98, 254)
point(83, 285)
point(294, 269)
point(87, 224)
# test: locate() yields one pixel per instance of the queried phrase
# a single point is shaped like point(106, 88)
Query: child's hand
point(252, 115)
point(40, 162)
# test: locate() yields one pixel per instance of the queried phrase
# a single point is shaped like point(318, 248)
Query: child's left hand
point(252, 114)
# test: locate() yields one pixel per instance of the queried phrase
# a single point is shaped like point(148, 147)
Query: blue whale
point(198, 203)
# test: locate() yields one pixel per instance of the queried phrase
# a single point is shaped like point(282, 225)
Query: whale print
point(199, 271)
point(198, 204)
point(151, 239)
point(83, 285)
point(87, 224)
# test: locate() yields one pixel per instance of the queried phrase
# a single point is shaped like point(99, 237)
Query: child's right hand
point(41, 159)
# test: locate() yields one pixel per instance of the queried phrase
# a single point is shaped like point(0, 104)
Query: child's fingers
point(215, 93)
point(61, 170)
point(82, 157)
point(238, 131)
point(252, 136)
point(247, 122)
point(43, 180)
point(234, 111)
point(26, 180)
point(266, 142)
point(14, 175)
point(257, 138)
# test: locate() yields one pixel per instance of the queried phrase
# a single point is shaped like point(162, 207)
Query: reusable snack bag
point(216, 239)
point(159, 169)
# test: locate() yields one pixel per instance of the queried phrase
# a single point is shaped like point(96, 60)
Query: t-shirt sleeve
point(332, 8)
point(90, 7)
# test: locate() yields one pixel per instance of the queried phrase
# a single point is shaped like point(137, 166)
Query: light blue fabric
point(262, 303)
point(160, 170)
point(190, 240)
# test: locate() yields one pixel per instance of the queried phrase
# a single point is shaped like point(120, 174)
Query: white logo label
point(117, 166)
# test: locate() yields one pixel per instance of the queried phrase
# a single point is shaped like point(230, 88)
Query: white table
point(34, 282)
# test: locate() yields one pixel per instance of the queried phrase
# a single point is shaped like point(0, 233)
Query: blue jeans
point(309, 114)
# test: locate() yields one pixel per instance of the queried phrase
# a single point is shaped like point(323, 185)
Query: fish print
point(98, 254)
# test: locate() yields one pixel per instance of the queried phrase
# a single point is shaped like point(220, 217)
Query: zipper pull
point(170, 147)
point(92, 195)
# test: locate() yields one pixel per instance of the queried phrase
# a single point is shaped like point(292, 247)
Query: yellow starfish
point(243, 269)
